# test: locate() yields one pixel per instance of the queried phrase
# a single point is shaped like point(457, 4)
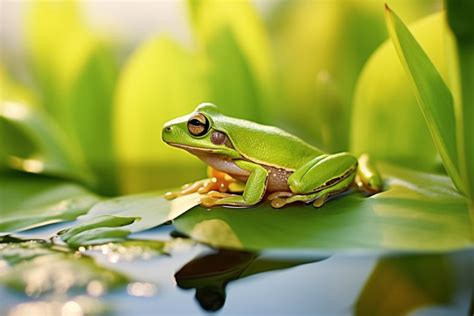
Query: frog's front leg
point(319, 179)
point(254, 190)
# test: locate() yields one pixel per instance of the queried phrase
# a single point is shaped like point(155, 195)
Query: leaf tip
point(388, 10)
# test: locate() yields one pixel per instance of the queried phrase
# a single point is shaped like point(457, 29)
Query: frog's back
point(274, 140)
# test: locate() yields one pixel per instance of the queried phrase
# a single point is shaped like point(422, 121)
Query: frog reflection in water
point(210, 274)
point(270, 161)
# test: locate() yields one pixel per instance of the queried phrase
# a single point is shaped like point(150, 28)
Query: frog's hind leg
point(317, 198)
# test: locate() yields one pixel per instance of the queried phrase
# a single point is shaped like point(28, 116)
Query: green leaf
point(76, 72)
point(236, 57)
point(434, 97)
point(318, 69)
point(160, 82)
point(32, 142)
point(97, 236)
point(37, 269)
point(10, 90)
point(48, 28)
point(115, 219)
point(30, 201)
point(460, 21)
point(88, 100)
point(98, 222)
point(386, 120)
point(232, 82)
point(416, 212)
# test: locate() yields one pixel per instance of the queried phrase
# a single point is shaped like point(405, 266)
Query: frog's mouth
point(191, 148)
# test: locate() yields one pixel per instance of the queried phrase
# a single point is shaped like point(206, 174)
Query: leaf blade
point(31, 201)
point(417, 212)
point(434, 97)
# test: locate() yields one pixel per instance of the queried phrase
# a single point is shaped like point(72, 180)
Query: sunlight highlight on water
point(141, 289)
point(95, 288)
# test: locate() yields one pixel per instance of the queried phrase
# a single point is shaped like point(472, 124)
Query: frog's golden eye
point(198, 124)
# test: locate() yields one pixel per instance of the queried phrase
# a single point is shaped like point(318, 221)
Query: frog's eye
point(198, 124)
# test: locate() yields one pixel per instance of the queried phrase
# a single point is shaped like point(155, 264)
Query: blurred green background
point(85, 95)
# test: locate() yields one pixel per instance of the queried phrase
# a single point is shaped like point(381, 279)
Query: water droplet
point(141, 289)
point(71, 308)
point(95, 288)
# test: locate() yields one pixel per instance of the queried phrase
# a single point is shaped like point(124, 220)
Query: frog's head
point(197, 133)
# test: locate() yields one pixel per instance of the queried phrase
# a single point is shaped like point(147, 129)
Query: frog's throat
point(192, 148)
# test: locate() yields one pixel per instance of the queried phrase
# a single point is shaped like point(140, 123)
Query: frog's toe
point(207, 186)
point(319, 201)
point(279, 194)
point(170, 195)
point(218, 195)
point(207, 201)
point(278, 202)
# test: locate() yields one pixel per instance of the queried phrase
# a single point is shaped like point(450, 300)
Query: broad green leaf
point(87, 99)
point(76, 70)
point(233, 84)
point(236, 55)
point(320, 49)
point(29, 201)
point(114, 219)
point(38, 269)
point(160, 82)
point(460, 21)
point(434, 97)
point(48, 27)
point(32, 142)
point(386, 120)
point(416, 212)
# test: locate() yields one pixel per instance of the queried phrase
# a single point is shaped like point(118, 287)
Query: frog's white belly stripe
point(223, 164)
point(277, 178)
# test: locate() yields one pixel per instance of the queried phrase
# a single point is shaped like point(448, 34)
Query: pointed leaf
point(387, 122)
point(115, 219)
point(434, 97)
point(460, 21)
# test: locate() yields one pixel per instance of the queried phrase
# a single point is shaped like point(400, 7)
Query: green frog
point(266, 160)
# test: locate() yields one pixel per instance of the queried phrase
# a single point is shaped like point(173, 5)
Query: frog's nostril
point(168, 129)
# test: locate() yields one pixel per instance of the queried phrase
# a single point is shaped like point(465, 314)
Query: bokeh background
point(100, 78)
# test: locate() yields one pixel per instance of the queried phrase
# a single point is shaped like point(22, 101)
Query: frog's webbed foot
point(218, 181)
point(280, 199)
point(212, 198)
point(201, 186)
